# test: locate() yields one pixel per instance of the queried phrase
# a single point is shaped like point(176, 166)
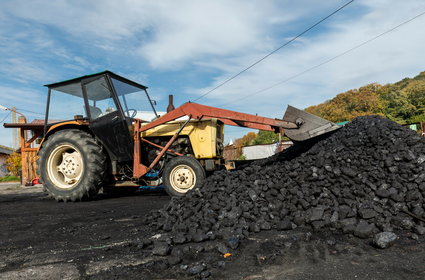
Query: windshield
point(101, 101)
point(134, 101)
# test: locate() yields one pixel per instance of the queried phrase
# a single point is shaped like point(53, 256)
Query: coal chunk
point(173, 260)
point(161, 249)
point(233, 242)
point(382, 193)
point(179, 238)
point(364, 229)
point(196, 269)
point(285, 224)
point(367, 213)
point(317, 213)
point(419, 229)
point(384, 240)
point(222, 248)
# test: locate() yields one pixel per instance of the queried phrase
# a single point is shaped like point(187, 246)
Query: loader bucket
point(309, 125)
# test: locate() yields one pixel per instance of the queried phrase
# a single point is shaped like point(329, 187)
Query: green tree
point(265, 137)
point(351, 104)
point(403, 102)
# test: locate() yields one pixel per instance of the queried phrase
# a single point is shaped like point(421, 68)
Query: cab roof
point(94, 76)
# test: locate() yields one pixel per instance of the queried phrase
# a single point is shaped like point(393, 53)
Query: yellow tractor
point(98, 132)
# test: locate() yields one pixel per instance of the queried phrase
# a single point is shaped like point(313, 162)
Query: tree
point(244, 141)
point(351, 104)
point(13, 163)
point(403, 102)
point(265, 137)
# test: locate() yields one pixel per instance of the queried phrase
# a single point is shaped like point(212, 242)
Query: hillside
point(403, 101)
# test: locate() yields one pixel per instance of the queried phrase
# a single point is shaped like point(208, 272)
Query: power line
point(327, 61)
point(6, 117)
point(269, 54)
point(24, 110)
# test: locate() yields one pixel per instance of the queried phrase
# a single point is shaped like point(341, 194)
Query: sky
point(188, 47)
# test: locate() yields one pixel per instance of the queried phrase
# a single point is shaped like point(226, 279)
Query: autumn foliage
point(13, 163)
point(244, 141)
point(403, 102)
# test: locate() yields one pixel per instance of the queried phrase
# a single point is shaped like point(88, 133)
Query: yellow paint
point(204, 135)
point(55, 126)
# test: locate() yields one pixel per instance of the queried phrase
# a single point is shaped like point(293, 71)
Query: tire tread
point(95, 163)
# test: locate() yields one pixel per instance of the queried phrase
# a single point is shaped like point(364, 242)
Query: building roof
point(5, 150)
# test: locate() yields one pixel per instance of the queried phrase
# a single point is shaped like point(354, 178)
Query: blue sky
point(187, 47)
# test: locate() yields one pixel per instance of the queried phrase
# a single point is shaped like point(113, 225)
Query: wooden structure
point(28, 133)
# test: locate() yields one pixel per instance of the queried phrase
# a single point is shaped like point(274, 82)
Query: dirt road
point(106, 239)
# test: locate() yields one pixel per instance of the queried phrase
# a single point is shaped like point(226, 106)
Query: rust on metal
point(228, 117)
point(140, 169)
point(159, 146)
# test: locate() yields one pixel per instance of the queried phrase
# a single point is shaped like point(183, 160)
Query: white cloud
point(27, 99)
point(22, 70)
point(213, 40)
point(168, 34)
point(388, 59)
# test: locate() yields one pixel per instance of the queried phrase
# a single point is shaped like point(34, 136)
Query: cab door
point(107, 120)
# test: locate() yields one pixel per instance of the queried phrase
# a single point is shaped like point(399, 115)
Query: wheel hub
point(182, 178)
point(65, 166)
point(70, 166)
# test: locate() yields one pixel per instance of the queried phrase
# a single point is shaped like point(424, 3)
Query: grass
point(9, 179)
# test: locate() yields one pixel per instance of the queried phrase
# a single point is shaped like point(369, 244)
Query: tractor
point(102, 130)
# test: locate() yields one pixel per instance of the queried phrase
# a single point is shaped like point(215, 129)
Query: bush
point(14, 163)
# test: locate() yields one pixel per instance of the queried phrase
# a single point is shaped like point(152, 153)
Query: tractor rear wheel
point(72, 165)
point(182, 174)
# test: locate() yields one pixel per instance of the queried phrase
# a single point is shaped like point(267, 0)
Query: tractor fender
point(84, 126)
point(61, 126)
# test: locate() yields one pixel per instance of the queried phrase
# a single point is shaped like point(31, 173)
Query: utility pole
point(15, 132)
point(15, 139)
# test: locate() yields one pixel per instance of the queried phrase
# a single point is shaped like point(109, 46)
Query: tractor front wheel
point(182, 174)
point(72, 165)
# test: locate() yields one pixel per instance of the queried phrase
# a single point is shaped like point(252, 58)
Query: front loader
point(98, 133)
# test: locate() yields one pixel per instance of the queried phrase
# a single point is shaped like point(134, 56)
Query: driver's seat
point(95, 112)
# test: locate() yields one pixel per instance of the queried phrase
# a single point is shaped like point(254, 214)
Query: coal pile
point(365, 178)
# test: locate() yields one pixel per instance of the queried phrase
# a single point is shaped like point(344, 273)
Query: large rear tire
point(72, 165)
point(182, 174)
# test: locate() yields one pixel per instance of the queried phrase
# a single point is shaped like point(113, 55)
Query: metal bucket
point(309, 125)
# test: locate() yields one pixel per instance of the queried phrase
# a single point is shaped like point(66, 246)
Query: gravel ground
point(107, 239)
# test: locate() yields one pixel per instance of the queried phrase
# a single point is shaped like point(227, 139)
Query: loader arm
point(298, 125)
point(198, 111)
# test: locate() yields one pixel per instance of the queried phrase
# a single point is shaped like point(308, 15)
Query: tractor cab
point(105, 101)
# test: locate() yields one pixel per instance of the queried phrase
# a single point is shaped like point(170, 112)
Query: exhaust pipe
point(309, 125)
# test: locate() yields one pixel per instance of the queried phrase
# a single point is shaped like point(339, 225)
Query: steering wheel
point(133, 114)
